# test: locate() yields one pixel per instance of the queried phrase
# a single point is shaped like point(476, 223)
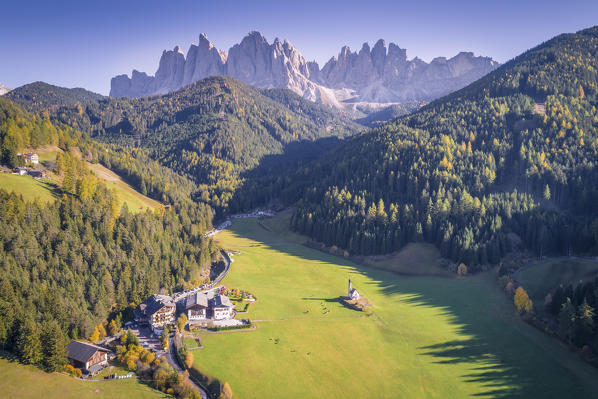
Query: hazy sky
point(85, 43)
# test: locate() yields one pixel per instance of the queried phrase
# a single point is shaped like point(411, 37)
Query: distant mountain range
point(3, 89)
point(376, 75)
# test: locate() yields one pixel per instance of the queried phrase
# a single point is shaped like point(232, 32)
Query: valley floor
point(429, 336)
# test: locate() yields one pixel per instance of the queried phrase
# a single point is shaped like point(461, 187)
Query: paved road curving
point(171, 358)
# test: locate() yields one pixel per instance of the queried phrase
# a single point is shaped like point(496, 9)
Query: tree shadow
point(503, 356)
point(269, 179)
point(53, 188)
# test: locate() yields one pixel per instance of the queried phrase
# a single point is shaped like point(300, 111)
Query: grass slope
point(541, 278)
point(48, 153)
point(413, 259)
point(26, 382)
point(28, 187)
point(135, 200)
point(429, 336)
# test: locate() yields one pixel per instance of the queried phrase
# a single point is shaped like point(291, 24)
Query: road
point(172, 360)
point(180, 296)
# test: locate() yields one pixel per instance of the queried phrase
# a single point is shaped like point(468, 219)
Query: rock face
point(377, 75)
point(3, 89)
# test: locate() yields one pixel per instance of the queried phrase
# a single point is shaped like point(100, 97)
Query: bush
point(72, 371)
point(226, 328)
point(522, 301)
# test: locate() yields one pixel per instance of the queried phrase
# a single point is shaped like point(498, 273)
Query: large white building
point(201, 307)
point(31, 157)
point(196, 306)
point(221, 306)
point(158, 311)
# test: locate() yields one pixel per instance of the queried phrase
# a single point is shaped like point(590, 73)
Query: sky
point(85, 43)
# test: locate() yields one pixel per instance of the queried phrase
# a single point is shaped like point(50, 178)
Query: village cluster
point(203, 309)
point(31, 158)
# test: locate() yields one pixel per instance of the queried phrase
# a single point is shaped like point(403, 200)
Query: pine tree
point(547, 193)
point(584, 324)
point(54, 346)
point(566, 319)
point(29, 346)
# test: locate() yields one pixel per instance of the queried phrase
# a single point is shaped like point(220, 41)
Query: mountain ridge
point(376, 75)
point(479, 173)
point(3, 89)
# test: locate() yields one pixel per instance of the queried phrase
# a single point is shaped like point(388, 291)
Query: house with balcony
point(156, 311)
point(86, 356)
point(196, 307)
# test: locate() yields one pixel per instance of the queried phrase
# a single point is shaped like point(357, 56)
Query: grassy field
point(30, 188)
point(415, 259)
point(135, 200)
point(26, 382)
point(48, 153)
point(429, 336)
point(46, 191)
point(541, 278)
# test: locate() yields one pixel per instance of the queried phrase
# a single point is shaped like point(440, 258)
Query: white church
point(352, 293)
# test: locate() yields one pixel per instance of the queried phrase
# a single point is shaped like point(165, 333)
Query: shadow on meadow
point(509, 358)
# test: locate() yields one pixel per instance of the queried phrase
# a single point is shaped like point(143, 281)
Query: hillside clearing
point(29, 187)
point(135, 201)
point(48, 153)
point(415, 259)
point(428, 337)
point(541, 278)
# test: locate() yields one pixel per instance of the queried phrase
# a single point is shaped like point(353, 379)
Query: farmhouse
point(222, 307)
point(88, 357)
point(196, 306)
point(157, 311)
point(31, 157)
point(21, 171)
point(37, 173)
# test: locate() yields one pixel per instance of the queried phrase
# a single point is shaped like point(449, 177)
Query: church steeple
point(349, 291)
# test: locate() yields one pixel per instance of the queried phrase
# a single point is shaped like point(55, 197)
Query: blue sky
point(85, 43)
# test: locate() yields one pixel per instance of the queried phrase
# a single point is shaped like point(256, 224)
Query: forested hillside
point(72, 263)
point(20, 129)
point(508, 159)
point(40, 96)
point(69, 264)
point(209, 131)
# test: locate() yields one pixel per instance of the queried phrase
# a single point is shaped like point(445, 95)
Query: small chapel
point(352, 293)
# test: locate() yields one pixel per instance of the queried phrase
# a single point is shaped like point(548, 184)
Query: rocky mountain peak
point(3, 89)
point(374, 74)
point(365, 49)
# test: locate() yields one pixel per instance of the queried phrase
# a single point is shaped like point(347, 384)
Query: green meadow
point(135, 201)
point(29, 382)
point(427, 336)
point(46, 190)
point(27, 186)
